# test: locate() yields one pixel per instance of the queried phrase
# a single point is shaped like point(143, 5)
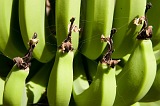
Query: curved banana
point(2, 81)
point(154, 93)
point(153, 19)
point(99, 16)
point(102, 90)
point(15, 81)
point(64, 10)
point(125, 13)
point(37, 85)
point(11, 43)
point(61, 77)
point(137, 76)
point(33, 19)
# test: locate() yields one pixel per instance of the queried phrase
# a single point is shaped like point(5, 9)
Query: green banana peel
point(137, 76)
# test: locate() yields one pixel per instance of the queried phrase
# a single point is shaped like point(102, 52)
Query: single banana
point(61, 77)
point(137, 76)
point(11, 43)
point(15, 80)
point(98, 21)
point(102, 90)
point(153, 19)
point(2, 81)
point(125, 13)
point(64, 10)
point(154, 93)
point(33, 19)
point(36, 86)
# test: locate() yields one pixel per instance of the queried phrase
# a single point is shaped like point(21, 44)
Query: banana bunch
point(79, 52)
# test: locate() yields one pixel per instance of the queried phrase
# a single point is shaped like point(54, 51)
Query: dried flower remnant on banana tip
point(146, 31)
point(66, 45)
point(24, 62)
point(107, 57)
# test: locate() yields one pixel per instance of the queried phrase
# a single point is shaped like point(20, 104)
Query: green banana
point(99, 16)
point(153, 19)
point(154, 93)
point(137, 76)
point(36, 86)
point(15, 80)
point(61, 77)
point(102, 90)
point(11, 43)
point(64, 10)
point(35, 20)
point(2, 81)
point(124, 15)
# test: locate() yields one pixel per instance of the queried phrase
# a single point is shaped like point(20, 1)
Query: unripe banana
point(125, 13)
point(154, 92)
point(102, 90)
point(16, 78)
point(14, 90)
point(64, 10)
point(2, 81)
point(60, 81)
point(11, 43)
point(137, 76)
point(61, 77)
point(99, 16)
point(33, 19)
point(36, 87)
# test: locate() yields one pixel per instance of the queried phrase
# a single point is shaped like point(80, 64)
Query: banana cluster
point(79, 52)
